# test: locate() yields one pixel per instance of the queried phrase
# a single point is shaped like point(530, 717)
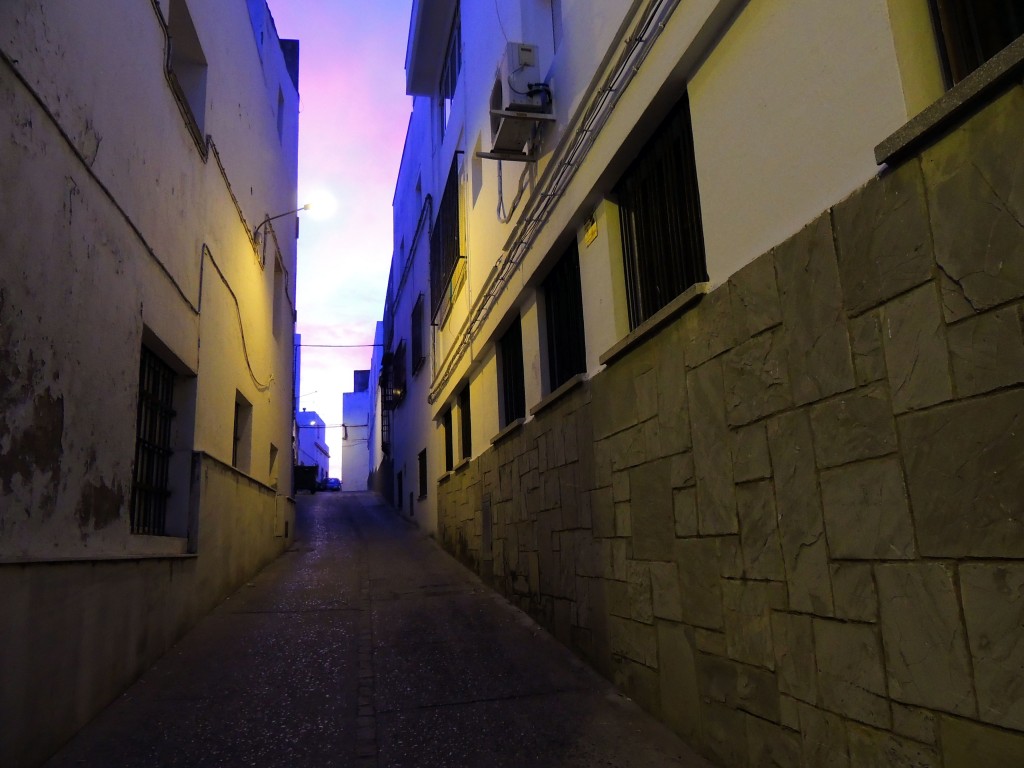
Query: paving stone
point(708, 330)
point(673, 405)
point(716, 503)
point(614, 399)
point(748, 606)
point(914, 340)
point(602, 512)
point(759, 535)
point(801, 527)
point(641, 606)
point(710, 642)
point(987, 352)
point(993, 599)
point(866, 512)
point(683, 474)
point(677, 669)
point(925, 644)
point(854, 425)
point(971, 745)
point(884, 238)
point(870, 748)
point(724, 733)
point(866, 344)
point(964, 476)
point(701, 599)
point(750, 458)
point(914, 723)
point(653, 519)
point(620, 485)
point(645, 388)
point(730, 557)
point(634, 640)
point(741, 686)
point(684, 506)
point(756, 382)
point(851, 680)
point(975, 186)
point(789, 714)
point(771, 745)
point(755, 297)
point(623, 519)
point(628, 448)
point(793, 642)
point(818, 347)
point(665, 591)
point(853, 587)
point(824, 739)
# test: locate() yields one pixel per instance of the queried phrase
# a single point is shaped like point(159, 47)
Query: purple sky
point(352, 122)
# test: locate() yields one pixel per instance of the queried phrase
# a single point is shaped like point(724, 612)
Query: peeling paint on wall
point(99, 505)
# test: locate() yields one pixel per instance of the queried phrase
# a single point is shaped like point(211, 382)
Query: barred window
point(563, 310)
point(449, 451)
point(659, 208)
point(421, 462)
point(444, 242)
point(465, 423)
point(970, 32)
point(450, 71)
point(513, 385)
point(416, 341)
point(154, 419)
point(398, 373)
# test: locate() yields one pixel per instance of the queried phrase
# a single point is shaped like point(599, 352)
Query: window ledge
point(444, 478)
point(149, 548)
point(657, 321)
point(461, 464)
point(559, 393)
point(959, 102)
point(512, 426)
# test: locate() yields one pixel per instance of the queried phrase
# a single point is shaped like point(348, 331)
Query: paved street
point(366, 645)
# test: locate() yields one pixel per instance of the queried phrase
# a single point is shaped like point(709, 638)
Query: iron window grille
point(387, 402)
point(416, 341)
point(421, 462)
point(465, 423)
point(971, 32)
point(563, 310)
point(450, 71)
point(449, 448)
point(154, 420)
point(398, 373)
point(444, 242)
point(659, 208)
point(513, 385)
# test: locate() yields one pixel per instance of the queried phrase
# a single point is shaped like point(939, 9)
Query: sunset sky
point(352, 122)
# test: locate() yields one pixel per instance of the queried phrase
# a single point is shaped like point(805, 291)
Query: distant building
point(147, 305)
point(313, 448)
point(703, 345)
point(355, 450)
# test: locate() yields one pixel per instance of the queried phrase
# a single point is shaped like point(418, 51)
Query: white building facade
point(313, 448)
point(147, 313)
point(679, 292)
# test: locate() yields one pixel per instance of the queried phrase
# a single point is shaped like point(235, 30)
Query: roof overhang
point(429, 27)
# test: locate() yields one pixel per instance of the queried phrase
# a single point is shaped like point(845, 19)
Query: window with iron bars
point(513, 385)
point(449, 441)
point(387, 402)
point(465, 423)
point(450, 71)
point(659, 209)
point(421, 463)
point(398, 373)
point(563, 311)
point(971, 32)
point(416, 339)
point(153, 424)
point(444, 241)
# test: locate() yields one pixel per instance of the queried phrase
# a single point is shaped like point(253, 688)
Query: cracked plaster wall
point(792, 524)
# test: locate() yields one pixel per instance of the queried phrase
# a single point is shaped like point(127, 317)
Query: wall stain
point(36, 448)
point(99, 505)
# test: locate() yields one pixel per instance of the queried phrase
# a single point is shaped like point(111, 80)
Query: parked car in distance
point(332, 484)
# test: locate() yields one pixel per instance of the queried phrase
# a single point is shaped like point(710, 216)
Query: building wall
point(313, 448)
point(133, 227)
point(790, 523)
point(355, 453)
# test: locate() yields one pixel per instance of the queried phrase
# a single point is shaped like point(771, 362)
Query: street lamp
point(257, 234)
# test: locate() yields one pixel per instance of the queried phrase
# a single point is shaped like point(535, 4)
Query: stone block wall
point(792, 523)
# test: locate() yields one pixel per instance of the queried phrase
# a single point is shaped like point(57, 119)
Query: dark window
point(444, 241)
point(563, 311)
point(971, 32)
point(662, 239)
point(241, 444)
point(466, 423)
point(398, 482)
point(450, 70)
point(398, 372)
point(449, 450)
point(416, 342)
point(150, 484)
point(186, 65)
point(421, 461)
point(513, 386)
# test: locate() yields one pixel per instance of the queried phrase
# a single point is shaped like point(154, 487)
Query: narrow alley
point(366, 645)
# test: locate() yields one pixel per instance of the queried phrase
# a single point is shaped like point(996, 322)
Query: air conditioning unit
point(519, 99)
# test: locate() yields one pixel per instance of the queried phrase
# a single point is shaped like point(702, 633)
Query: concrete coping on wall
point(958, 103)
point(657, 321)
point(558, 393)
point(175, 550)
point(512, 426)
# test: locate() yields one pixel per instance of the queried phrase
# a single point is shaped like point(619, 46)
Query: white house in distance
point(703, 345)
point(147, 305)
point(313, 448)
point(355, 450)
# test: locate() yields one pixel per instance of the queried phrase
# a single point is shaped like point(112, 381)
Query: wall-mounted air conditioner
point(519, 101)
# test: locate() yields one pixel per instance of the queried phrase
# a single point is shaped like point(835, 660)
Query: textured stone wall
point(792, 523)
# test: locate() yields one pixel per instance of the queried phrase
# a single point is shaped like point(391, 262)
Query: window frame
point(417, 348)
point(465, 423)
point(511, 374)
point(451, 68)
point(963, 45)
point(564, 327)
point(445, 245)
point(421, 464)
point(154, 445)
